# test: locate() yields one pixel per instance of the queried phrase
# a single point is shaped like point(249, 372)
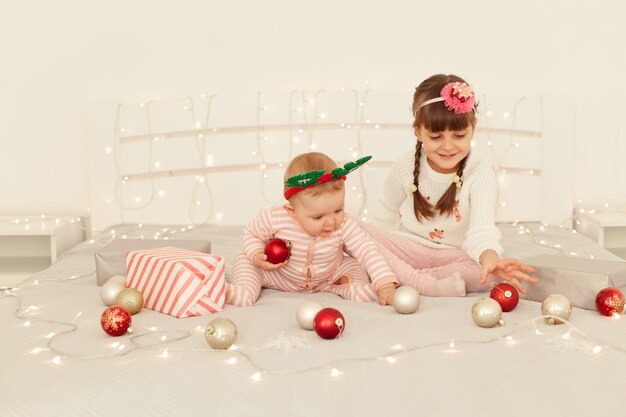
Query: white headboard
point(219, 159)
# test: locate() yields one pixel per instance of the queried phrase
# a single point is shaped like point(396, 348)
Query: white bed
point(57, 361)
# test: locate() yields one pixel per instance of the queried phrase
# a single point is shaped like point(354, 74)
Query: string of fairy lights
point(308, 125)
point(311, 120)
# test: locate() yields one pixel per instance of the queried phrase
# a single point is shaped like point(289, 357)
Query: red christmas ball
point(506, 295)
point(610, 302)
point(115, 320)
point(277, 250)
point(329, 323)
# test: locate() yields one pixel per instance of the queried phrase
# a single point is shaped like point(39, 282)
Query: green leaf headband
point(310, 179)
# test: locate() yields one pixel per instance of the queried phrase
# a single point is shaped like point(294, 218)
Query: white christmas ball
point(406, 300)
point(110, 290)
point(486, 312)
point(558, 307)
point(118, 278)
point(306, 313)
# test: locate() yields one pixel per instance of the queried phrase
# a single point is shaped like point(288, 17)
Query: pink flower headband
point(456, 96)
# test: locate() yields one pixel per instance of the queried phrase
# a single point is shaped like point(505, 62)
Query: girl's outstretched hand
point(509, 269)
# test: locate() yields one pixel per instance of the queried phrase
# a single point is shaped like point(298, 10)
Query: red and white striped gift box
point(178, 282)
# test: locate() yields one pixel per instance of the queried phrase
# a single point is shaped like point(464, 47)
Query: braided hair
point(436, 118)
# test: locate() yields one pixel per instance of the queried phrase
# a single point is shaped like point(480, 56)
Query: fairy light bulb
point(256, 377)
point(335, 373)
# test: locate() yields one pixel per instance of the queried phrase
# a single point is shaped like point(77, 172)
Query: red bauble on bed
point(115, 320)
point(610, 302)
point(506, 295)
point(329, 323)
point(277, 250)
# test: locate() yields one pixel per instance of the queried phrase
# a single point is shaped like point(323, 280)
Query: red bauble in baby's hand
point(506, 295)
point(329, 323)
point(277, 250)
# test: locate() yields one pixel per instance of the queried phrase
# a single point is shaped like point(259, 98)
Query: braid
point(421, 206)
point(445, 205)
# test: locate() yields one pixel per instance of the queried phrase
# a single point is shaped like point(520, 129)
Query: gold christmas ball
point(556, 306)
point(221, 333)
point(130, 299)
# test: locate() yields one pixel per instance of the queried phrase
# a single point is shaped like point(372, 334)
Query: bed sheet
point(56, 360)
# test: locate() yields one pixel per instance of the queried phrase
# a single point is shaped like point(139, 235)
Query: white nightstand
point(29, 247)
point(606, 228)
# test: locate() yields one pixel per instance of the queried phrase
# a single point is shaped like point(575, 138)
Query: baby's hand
point(385, 294)
point(260, 260)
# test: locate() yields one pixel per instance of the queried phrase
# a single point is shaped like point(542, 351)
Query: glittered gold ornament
point(306, 313)
point(486, 312)
point(406, 300)
point(130, 299)
point(556, 306)
point(220, 333)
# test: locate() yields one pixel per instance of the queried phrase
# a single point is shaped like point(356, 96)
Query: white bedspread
point(57, 361)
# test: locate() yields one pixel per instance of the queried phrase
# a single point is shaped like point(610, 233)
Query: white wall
point(57, 57)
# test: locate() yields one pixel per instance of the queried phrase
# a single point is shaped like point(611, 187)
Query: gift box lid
point(111, 259)
point(127, 245)
point(593, 266)
point(578, 279)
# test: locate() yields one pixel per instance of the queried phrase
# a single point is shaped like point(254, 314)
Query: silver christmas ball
point(118, 278)
point(110, 290)
point(406, 300)
point(486, 312)
point(221, 333)
point(558, 307)
point(306, 313)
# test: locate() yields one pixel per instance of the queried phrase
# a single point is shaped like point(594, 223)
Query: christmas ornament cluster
point(123, 302)
point(556, 308)
point(329, 323)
